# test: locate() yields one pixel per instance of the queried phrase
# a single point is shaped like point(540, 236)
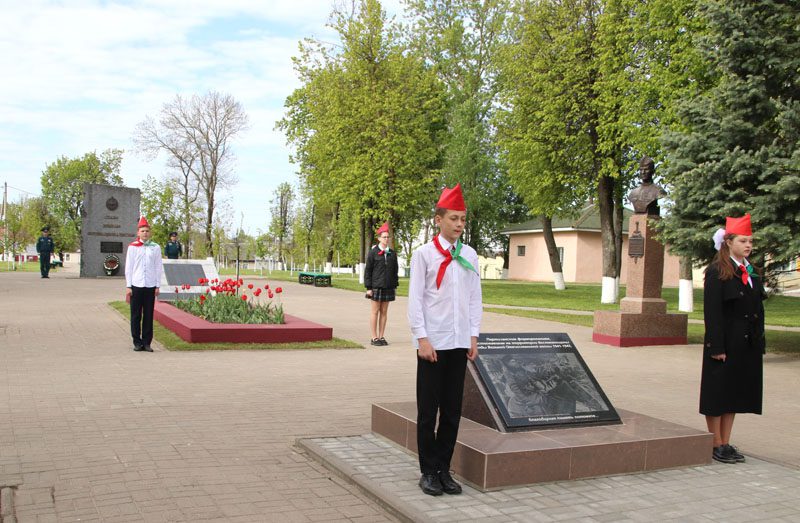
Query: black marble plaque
point(540, 380)
point(111, 247)
point(178, 274)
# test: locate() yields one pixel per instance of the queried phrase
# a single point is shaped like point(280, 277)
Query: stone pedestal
point(642, 318)
point(491, 460)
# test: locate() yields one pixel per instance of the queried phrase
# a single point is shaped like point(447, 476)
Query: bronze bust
point(645, 197)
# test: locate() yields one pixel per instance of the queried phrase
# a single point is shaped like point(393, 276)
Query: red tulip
point(266, 287)
point(200, 280)
point(241, 281)
point(279, 290)
point(176, 290)
point(249, 285)
point(202, 298)
point(257, 292)
point(208, 290)
point(270, 294)
point(244, 297)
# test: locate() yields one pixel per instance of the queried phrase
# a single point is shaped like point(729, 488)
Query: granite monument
point(110, 215)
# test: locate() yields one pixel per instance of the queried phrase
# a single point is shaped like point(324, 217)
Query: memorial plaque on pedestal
point(534, 381)
point(178, 273)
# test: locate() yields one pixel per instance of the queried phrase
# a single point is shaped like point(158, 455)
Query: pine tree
point(737, 149)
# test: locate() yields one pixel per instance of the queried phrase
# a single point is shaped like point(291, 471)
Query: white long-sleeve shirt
point(450, 315)
point(143, 266)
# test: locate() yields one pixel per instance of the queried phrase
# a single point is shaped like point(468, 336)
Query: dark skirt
point(732, 386)
point(382, 295)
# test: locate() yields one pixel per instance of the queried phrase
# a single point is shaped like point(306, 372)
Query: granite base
point(490, 460)
point(627, 329)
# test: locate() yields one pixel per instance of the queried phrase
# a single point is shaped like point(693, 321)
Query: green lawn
point(779, 310)
point(777, 341)
point(22, 267)
point(171, 341)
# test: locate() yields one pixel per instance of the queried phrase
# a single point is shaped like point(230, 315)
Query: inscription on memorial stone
point(540, 380)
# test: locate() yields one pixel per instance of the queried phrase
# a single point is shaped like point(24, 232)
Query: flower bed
point(197, 330)
point(220, 314)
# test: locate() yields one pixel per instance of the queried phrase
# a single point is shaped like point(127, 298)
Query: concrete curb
point(386, 499)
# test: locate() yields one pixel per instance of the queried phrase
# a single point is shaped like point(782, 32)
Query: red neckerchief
point(137, 243)
point(448, 257)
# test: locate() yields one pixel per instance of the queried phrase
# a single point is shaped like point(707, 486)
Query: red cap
point(452, 199)
point(739, 226)
point(143, 222)
point(384, 228)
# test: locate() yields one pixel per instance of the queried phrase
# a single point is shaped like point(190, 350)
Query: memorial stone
point(533, 380)
point(110, 215)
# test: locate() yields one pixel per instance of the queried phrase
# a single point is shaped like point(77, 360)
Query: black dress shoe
point(722, 455)
point(138, 348)
point(734, 453)
point(449, 485)
point(147, 348)
point(430, 485)
point(375, 341)
point(383, 341)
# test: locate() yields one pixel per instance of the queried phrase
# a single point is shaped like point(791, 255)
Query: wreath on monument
point(111, 265)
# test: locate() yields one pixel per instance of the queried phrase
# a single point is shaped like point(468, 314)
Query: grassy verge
point(777, 341)
point(171, 341)
point(23, 267)
point(779, 310)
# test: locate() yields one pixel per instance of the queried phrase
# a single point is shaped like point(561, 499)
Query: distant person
point(143, 278)
point(380, 279)
point(734, 342)
point(173, 249)
point(444, 312)
point(45, 247)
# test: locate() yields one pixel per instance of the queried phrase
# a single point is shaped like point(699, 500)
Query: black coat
point(381, 270)
point(734, 325)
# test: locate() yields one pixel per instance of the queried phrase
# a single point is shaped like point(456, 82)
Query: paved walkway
point(90, 430)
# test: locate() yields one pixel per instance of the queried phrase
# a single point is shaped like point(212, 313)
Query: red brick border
point(197, 330)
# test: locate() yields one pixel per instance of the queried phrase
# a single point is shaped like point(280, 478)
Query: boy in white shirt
point(444, 312)
point(143, 278)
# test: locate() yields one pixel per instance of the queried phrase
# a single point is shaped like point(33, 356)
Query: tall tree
point(62, 189)
point(736, 150)
point(282, 216)
point(197, 135)
point(461, 39)
point(365, 123)
point(158, 204)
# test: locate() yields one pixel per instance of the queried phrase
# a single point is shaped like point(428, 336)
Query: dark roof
point(587, 220)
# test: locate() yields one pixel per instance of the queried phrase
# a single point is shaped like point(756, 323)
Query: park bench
point(318, 279)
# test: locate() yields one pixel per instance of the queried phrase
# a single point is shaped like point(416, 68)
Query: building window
point(520, 250)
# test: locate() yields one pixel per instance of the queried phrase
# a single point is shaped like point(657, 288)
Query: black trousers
point(143, 299)
point(44, 263)
point(440, 390)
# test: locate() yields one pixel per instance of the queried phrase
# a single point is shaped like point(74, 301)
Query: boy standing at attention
point(444, 312)
point(143, 277)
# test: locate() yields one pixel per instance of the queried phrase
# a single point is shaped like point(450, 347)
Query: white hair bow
point(719, 237)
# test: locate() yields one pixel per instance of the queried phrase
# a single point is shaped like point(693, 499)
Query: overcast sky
point(78, 75)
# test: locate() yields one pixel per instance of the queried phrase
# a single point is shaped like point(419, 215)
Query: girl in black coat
point(734, 341)
point(380, 279)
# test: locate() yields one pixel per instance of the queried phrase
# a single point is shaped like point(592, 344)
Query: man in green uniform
point(45, 248)
point(173, 249)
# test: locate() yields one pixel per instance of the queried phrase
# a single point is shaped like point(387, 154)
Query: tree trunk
point(685, 287)
point(552, 251)
point(605, 200)
point(618, 221)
